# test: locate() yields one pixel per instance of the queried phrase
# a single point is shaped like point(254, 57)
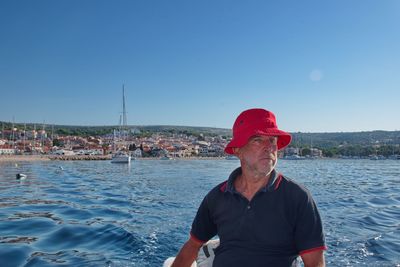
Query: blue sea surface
point(94, 213)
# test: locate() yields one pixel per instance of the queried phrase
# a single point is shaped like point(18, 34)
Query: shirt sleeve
point(309, 234)
point(203, 227)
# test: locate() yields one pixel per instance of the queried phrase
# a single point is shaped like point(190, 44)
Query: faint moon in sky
point(316, 75)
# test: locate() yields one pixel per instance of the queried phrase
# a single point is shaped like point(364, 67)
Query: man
point(261, 217)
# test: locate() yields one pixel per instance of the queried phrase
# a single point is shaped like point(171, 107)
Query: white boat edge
point(121, 157)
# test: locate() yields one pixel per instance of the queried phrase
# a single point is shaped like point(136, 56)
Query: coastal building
point(137, 153)
point(316, 153)
point(6, 150)
point(42, 134)
point(31, 135)
point(211, 151)
point(63, 152)
point(10, 134)
point(290, 151)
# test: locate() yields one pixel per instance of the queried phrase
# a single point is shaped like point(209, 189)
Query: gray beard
point(259, 175)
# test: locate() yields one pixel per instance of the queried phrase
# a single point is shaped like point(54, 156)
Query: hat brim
point(284, 139)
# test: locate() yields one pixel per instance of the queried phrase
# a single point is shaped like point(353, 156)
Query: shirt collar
point(235, 174)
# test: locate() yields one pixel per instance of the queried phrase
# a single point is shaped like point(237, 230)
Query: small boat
point(293, 157)
point(375, 157)
point(231, 157)
point(121, 157)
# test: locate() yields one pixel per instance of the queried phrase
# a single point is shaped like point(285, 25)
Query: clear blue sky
point(320, 66)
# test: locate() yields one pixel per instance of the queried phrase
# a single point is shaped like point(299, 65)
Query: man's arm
point(188, 253)
point(314, 259)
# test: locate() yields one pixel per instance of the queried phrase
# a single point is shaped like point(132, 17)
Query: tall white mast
point(124, 119)
point(24, 136)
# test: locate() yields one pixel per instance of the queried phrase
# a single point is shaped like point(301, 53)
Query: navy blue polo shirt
point(278, 224)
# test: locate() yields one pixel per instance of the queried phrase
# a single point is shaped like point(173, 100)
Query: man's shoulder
point(293, 187)
point(217, 191)
point(296, 195)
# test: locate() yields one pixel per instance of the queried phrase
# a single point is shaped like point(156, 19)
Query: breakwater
point(79, 157)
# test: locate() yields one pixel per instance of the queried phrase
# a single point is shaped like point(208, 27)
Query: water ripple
point(100, 214)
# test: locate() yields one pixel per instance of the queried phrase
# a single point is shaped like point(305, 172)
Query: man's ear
point(236, 151)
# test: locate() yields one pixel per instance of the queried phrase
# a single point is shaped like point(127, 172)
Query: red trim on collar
point(223, 186)
point(278, 181)
point(312, 250)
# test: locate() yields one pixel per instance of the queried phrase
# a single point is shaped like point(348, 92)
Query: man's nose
point(268, 146)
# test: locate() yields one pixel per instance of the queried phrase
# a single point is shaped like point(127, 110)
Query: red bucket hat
point(256, 121)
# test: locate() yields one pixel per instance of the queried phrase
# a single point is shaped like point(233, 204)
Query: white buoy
point(21, 176)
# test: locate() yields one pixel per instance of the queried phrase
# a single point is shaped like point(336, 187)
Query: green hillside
point(320, 140)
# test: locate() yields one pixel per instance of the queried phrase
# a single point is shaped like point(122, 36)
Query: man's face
point(259, 155)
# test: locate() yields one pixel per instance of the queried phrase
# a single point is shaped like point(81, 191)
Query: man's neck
point(248, 183)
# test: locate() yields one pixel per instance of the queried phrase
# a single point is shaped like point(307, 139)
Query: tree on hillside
point(306, 152)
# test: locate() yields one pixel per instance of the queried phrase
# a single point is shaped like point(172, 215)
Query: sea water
point(94, 213)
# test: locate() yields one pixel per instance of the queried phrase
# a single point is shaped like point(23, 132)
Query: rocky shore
point(79, 157)
point(12, 158)
point(6, 158)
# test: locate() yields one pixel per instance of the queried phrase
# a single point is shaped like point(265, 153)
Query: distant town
point(181, 142)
